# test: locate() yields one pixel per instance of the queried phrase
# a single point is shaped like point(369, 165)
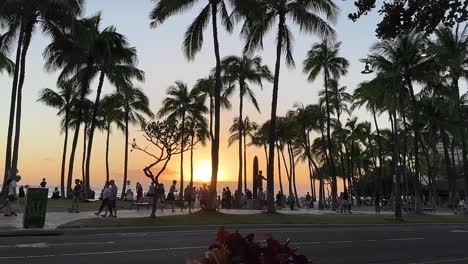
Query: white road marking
point(459, 231)
point(187, 248)
point(405, 239)
point(46, 245)
point(440, 261)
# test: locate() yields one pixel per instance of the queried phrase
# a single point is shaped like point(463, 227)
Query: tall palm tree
point(197, 129)
point(261, 15)
point(115, 61)
point(239, 72)
point(406, 53)
point(193, 42)
point(451, 51)
point(135, 106)
point(63, 101)
point(179, 104)
point(67, 52)
point(111, 113)
point(24, 17)
point(324, 57)
point(367, 94)
point(6, 65)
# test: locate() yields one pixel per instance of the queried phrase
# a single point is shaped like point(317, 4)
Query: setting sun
point(202, 172)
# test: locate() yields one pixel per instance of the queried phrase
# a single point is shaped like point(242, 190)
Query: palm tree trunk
point(182, 145)
point(64, 156)
point(107, 151)
point(274, 103)
point(293, 173)
point(321, 194)
point(83, 92)
point(211, 118)
point(72, 160)
point(266, 154)
point(287, 172)
point(417, 139)
point(92, 128)
point(448, 167)
point(19, 99)
point(124, 186)
point(396, 174)
point(83, 160)
point(279, 170)
point(330, 145)
point(217, 103)
point(241, 122)
point(191, 160)
point(14, 92)
point(245, 162)
point(379, 142)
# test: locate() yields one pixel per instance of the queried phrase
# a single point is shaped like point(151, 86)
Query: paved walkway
point(55, 219)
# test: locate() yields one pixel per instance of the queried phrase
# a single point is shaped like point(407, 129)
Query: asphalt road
point(361, 244)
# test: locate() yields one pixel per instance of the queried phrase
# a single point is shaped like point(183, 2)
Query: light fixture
point(367, 69)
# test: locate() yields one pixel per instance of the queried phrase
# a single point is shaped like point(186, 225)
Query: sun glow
point(202, 171)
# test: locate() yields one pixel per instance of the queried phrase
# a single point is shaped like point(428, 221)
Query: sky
point(161, 57)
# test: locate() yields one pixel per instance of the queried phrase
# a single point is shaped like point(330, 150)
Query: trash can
point(35, 208)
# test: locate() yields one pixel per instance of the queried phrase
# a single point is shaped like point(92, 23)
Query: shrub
point(233, 248)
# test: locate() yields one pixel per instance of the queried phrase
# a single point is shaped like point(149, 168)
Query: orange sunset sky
point(163, 61)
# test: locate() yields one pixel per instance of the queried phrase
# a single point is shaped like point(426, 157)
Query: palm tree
point(198, 132)
point(68, 51)
point(115, 61)
point(23, 17)
point(451, 49)
point(111, 112)
point(324, 57)
point(206, 87)
point(193, 43)
point(63, 101)
point(261, 15)
point(239, 72)
point(6, 65)
point(179, 104)
point(406, 54)
point(135, 106)
point(369, 94)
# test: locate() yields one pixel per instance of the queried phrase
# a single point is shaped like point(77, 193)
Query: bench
point(144, 202)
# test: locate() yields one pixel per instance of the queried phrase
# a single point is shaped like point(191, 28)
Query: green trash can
point(35, 208)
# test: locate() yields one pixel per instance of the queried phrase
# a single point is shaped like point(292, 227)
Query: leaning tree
point(164, 139)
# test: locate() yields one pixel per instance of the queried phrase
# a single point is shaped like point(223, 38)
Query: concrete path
point(55, 219)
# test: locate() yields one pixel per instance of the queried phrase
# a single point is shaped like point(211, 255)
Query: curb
point(31, 232)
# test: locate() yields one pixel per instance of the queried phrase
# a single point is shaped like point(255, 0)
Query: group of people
point(109, 200)
point(344, 205)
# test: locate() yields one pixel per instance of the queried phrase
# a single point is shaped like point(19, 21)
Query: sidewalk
point(55, 219)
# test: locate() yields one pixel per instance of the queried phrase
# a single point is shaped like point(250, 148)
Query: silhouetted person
point(56, 194)
point(377, 203)
point(77, 191)
point(43, 183)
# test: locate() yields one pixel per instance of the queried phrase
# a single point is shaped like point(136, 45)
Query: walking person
point(105, 195)
point(113, 199)
point(291, 201)
point(377, 203)
point(12, 196)
point(228, 198)
point(43, 183)
point(308, 200)
point(171, 195)
point(77, 191)
point(346, 205)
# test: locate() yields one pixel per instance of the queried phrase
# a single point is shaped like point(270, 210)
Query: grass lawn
point(215, 218)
